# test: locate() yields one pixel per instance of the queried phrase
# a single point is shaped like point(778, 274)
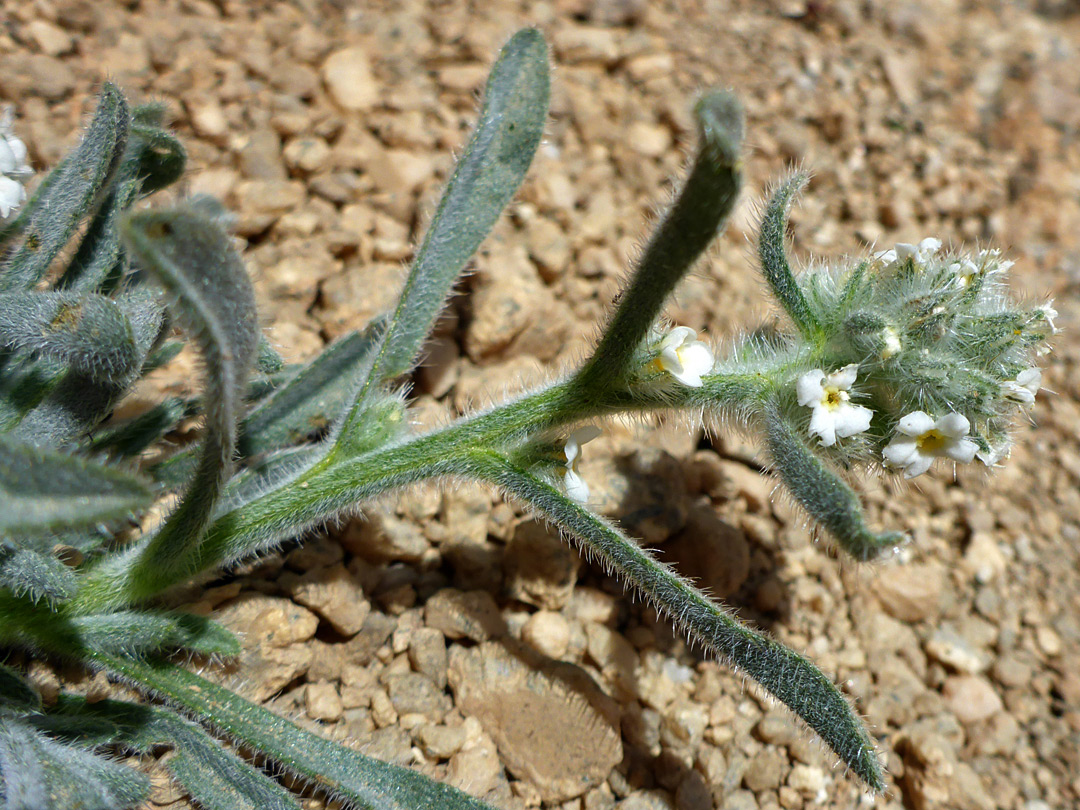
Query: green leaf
point(142, 632)
point(87, 332)
point(341, 772)
point(154, 156)
point(772, 251)
point(784, 674)
point(100, 257)
point(830, 501)
point(47, 491)
point(70, 192)
point(131, 437)
point(42, 774)
point(694, 221)
point(24, 571)
point(80, 401)
point(16, 693)
point(486, 177)
point(194, 260)
point(312, 399)
point(215, 778)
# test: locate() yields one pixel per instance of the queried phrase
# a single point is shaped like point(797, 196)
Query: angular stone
point(910, 593)
point(349, 80)
point(713, 553)
point(539, 566)
point(333, 594)
point(460, 614)
point(971, 698)
point(552, 723)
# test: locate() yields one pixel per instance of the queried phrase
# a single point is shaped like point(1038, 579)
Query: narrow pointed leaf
point(89, 333)
point(360, 781)
point(772, 252)
point(100, 254)
point(485, 179)
point(47, 491)
point(16, 693)
point(312, 399)
point(71, 192)
point(155, 157)
point(194, 260)
point(830, 501)
point(214, 777)
point(42, 774)
point(783, 673)
point(80, 401)
point(39, 576)
point(689, 227)
point(131, 437)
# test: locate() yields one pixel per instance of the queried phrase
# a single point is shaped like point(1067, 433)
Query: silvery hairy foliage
point(881, 363)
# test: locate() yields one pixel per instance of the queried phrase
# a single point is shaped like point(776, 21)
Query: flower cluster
point(941, 352)
point(13, 166)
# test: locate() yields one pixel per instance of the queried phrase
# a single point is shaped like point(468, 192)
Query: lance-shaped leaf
point(486, 177)
point(215, 778)
point(24, 383)
point(830, 501)
point(786, 675)
point(100, 258)
point(155, 157)
point(42, 774)
point(68, 194)
point(16, 693)
point(80, 401)
point(343, 773)
point(87, 332)
point(131, 437)
point(126, 632)
point(313, 398)
point(772, 252)
point(28, 572)
point(48, 491)
point(689, 227)
point(193, 258)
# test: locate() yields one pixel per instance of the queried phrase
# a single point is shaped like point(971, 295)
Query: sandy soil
point(956, 120)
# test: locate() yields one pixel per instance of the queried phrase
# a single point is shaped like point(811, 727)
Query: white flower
point(833, 413)
point(684, 357)
point(996, 454)
point(921, 252)
point(13, 166)
point(12, 195)
point(892, 343)
point(576, 488)
point(920, 440)
point(1024, 388)
point(1048, 315)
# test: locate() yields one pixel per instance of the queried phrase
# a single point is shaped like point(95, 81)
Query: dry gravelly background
point(429, 636)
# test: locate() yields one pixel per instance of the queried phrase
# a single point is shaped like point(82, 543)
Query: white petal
point(886, 256)
point(823, 424)
point(852, 419)
point(576, 488)
point(1031, 379)
point(809, 387)
point(1017, 393)
point(697, 359)
point(929, 246)
point(7, 158)
point(918, 465)
point(906, 251)
point(953, 425)
point(995, 455)
point(915, 423)
point(18, 148)
point(844, 378)
point(901, 452)
point(963, 450)
point(12, 195)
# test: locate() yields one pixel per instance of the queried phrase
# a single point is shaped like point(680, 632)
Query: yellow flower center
point(931, 442)
point(834, 397)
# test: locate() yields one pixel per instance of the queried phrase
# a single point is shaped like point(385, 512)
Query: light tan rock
point(910, 593)
point(322, 702)
point(333, 594)
point(349, 80)
point(554, 727)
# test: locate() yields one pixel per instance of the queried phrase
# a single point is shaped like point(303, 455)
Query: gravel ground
point(449, 633)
